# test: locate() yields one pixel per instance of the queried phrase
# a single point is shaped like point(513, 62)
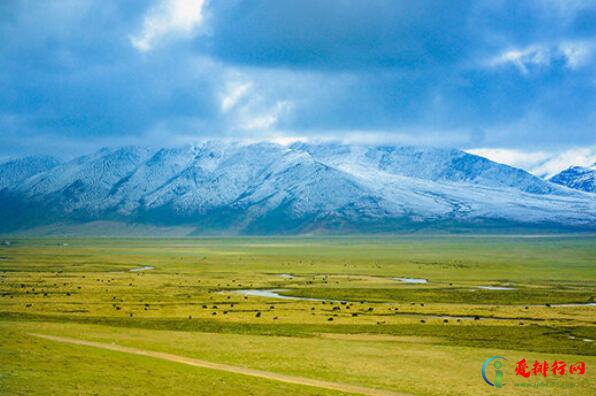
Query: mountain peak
point(577, 177)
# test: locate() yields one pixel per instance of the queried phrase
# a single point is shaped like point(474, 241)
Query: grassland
point(358, 325)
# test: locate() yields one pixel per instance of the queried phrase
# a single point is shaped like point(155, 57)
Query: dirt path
point(225, 367)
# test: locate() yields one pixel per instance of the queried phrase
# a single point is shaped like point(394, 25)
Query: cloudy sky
point(513, 80)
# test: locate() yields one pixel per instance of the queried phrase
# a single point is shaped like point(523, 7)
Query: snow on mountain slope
point(428, 164)
point(15, 171)
point(264, 184)
point(439, 183)
point(216, 177)
point(267, 188)
point(577, 177)
point(163, 166)
point(84, 183)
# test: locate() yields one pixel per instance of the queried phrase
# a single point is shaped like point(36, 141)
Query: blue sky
point(514, 76)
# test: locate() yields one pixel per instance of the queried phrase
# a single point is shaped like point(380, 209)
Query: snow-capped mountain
point(577, 177)
point(269, 188)
point(15, 171)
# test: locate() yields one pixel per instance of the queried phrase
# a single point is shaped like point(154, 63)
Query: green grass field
point(349, 321)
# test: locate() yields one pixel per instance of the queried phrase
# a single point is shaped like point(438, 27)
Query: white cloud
point(577, 53)
point(522, 58)
point(267, 119)
point(574, 54)
point(167, 18)
point(559, 162)
point(516, 158)
point(233, 94)
point(247, 106)
point(540, 163)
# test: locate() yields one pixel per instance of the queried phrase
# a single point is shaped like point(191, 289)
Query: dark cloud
point(501, 73)
point(340, 34)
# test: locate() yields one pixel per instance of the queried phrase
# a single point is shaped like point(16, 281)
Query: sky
point(512, 80)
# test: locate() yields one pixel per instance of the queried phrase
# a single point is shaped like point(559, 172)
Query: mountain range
point(267, 188)
point(577, 177)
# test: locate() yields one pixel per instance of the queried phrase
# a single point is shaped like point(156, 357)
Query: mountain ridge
point(577, 177)
point(252, 188)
